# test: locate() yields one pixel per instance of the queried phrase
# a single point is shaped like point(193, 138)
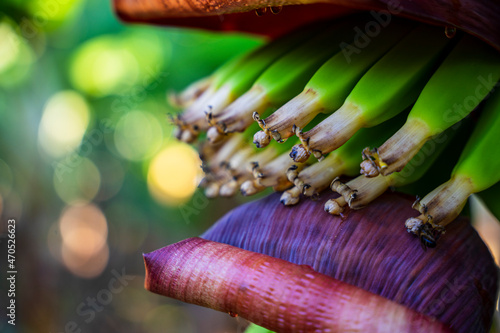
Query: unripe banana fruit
point(347, 101)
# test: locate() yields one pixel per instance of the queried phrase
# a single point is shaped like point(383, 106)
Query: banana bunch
point(391, 109)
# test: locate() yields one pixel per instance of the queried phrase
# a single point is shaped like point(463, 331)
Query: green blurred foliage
point(50, 52)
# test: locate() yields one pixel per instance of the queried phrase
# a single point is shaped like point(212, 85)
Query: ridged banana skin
point(464, 79)
point(480, 160)
point(337, 77)
point(221, 74)
point(234, 78)
point(395, 81)
point(333, 81)
point(244, 76)
point(388, 88)
point(243, 73)
point(289, 74)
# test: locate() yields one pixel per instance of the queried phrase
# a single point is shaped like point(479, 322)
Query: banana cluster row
point(392, 108)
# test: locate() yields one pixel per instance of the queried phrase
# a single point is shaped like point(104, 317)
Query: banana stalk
point(225, 161)
point(234, 79)
point(389, 87)
point(476, 171)
point(187, 130)
point(462, 81)
point(330, 85)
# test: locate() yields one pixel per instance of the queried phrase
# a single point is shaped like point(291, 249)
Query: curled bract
point(369, 250)
point(480, 18)
point(273, 293)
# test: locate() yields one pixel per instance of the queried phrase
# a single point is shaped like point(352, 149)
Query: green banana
point(257, 329)
point(476, 171)
point(233, 79)
point(462, 81)
point(282, 80)
point(186, 129)
point(360, 191)
point(390, 86)
point(209, 84)
point(330, 85)
point(342, 161)
point(190, 93)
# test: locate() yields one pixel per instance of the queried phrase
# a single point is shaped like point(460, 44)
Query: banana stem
point(230, 188)
point(242, 169)
point(229, 148)
point(220, 100)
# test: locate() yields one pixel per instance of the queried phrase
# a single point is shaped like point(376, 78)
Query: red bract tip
point(273, 293)
point(261, 273)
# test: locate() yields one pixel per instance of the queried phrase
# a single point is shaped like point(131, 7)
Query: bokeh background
point(89, 168)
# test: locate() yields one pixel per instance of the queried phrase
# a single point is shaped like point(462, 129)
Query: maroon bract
point(273, 293)
point(480, 18)
point(455, 283)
